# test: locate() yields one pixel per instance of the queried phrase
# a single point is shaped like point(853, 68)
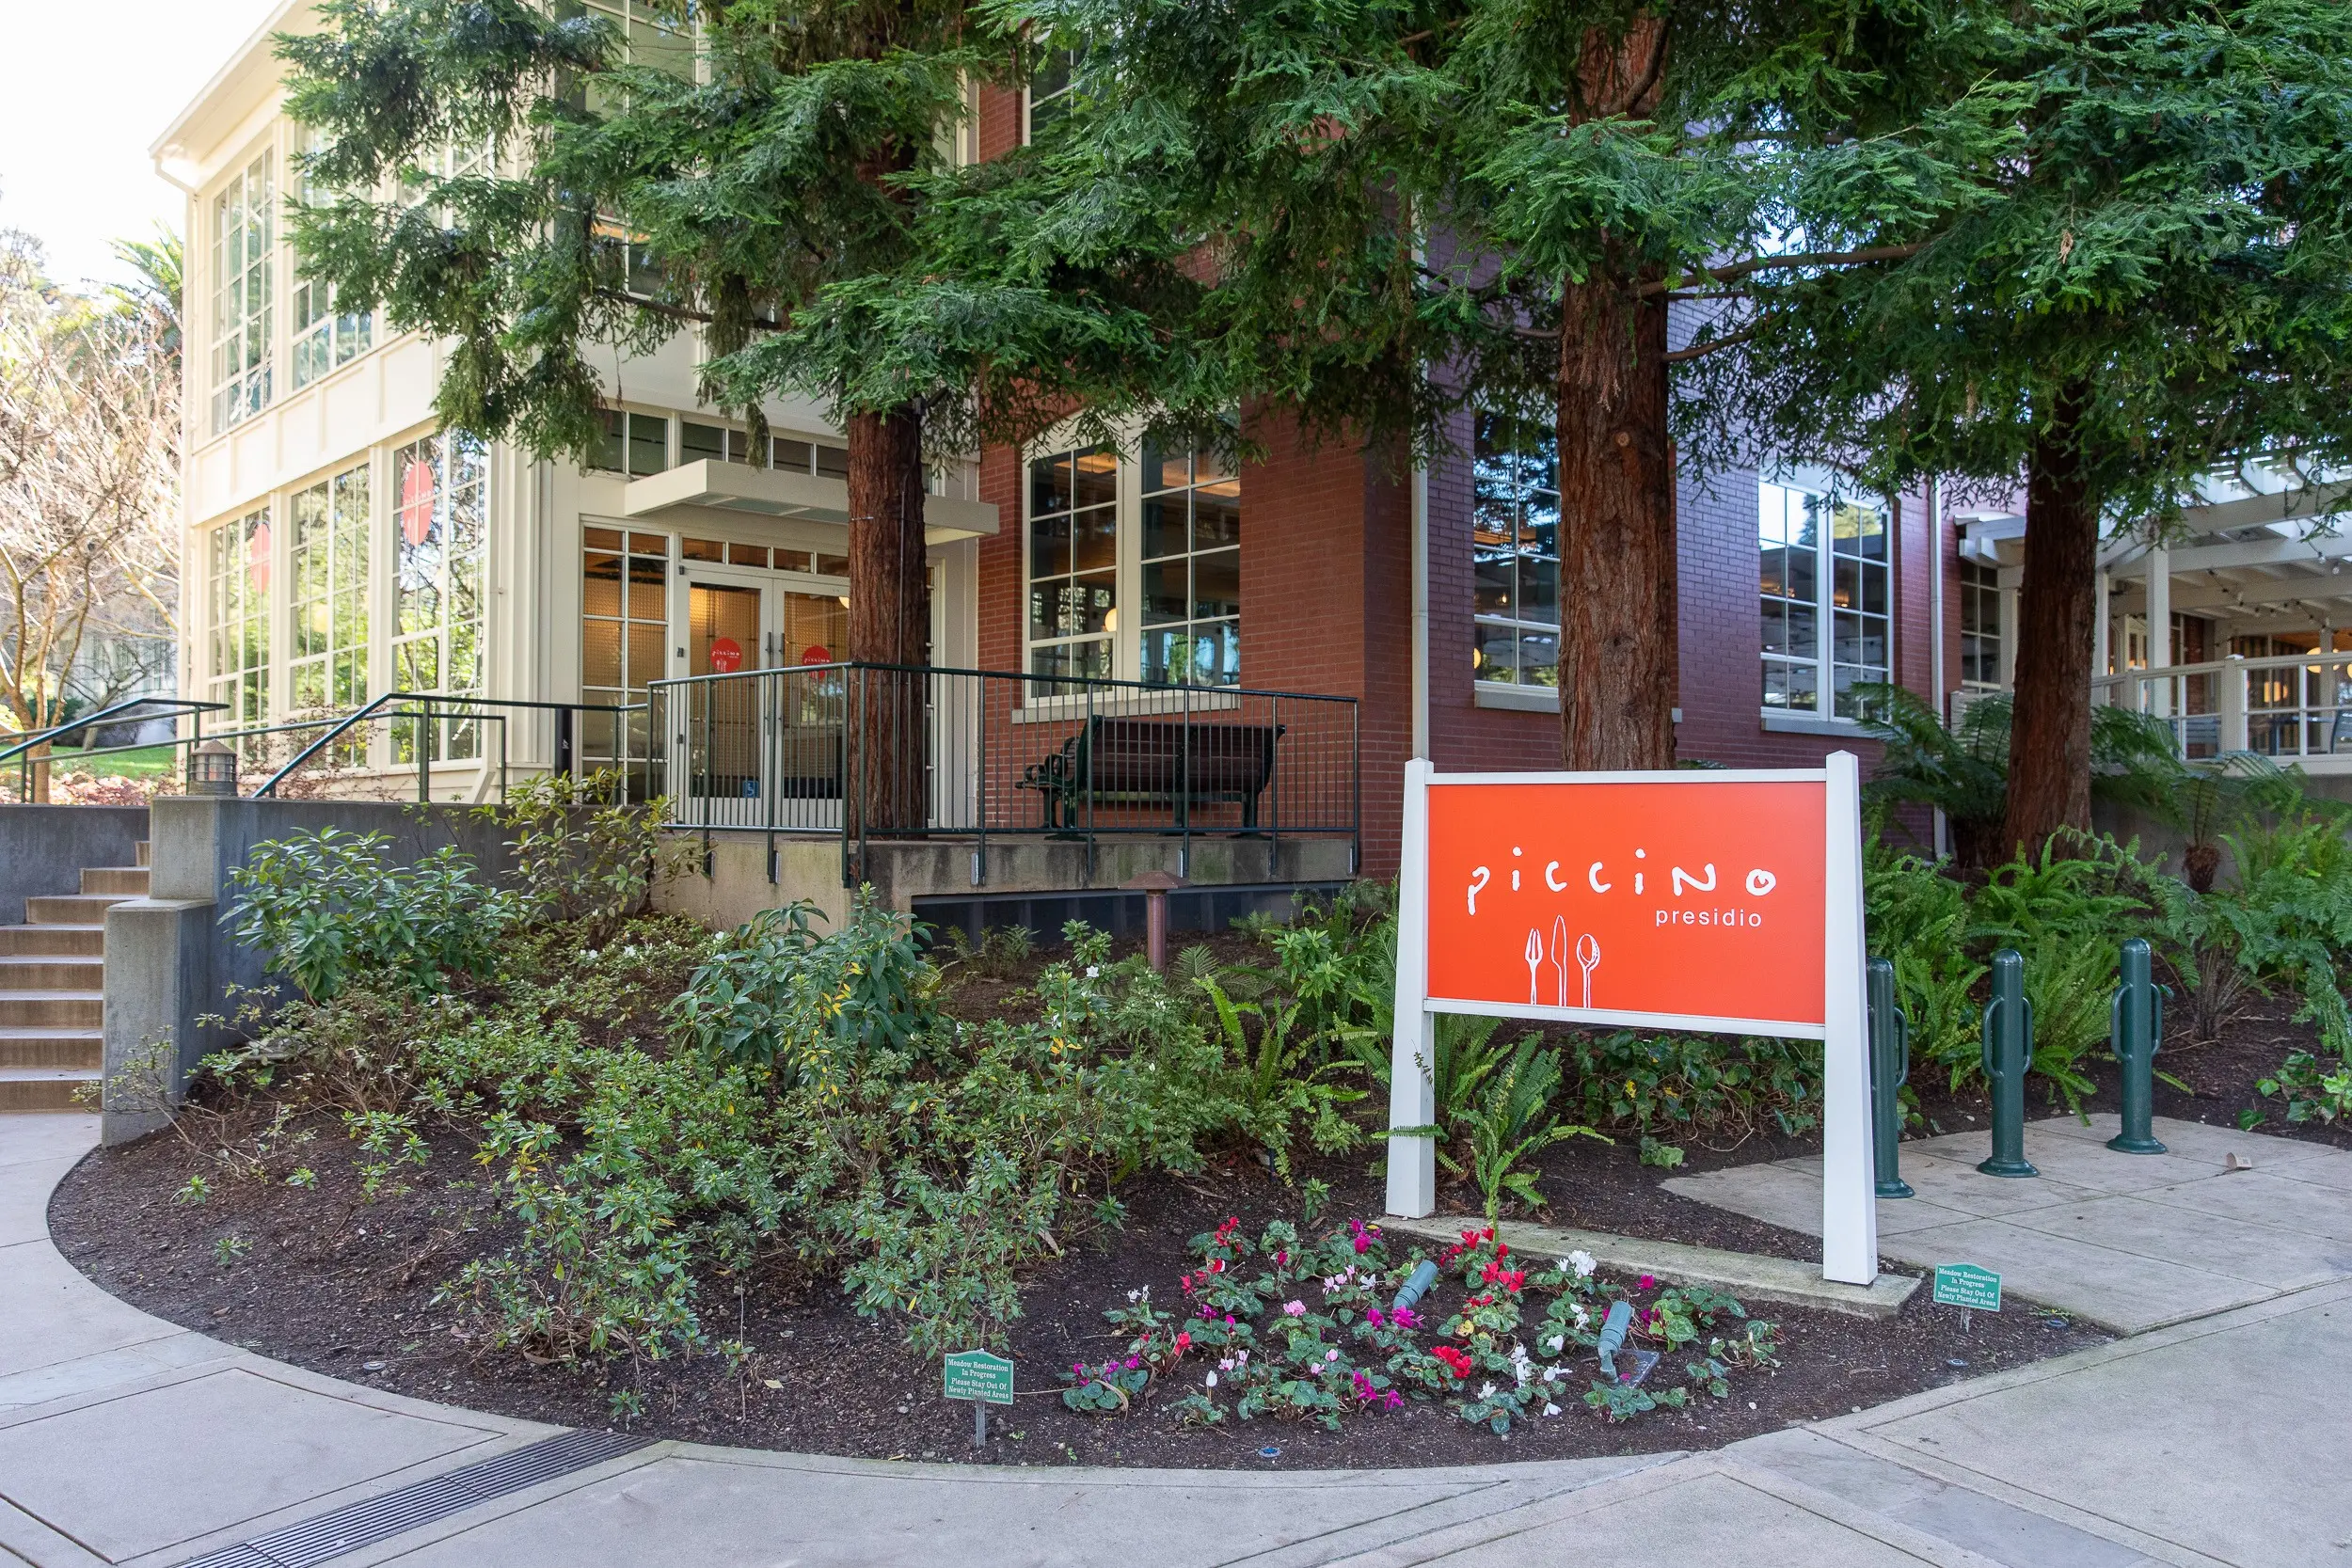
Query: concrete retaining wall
point(917, 875)
point(169, 961)
point(43, 848)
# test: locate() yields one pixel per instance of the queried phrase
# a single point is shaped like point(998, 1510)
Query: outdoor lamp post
point(212, 770)
point(1155, 886)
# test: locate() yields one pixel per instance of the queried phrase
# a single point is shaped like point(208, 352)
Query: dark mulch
point(345, 1288)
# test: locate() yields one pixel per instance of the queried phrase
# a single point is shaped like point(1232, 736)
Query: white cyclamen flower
point(1581, 1262)
point(1094, 972)
point(1551, 1410)
point(1212, 1380)
point(1488, 1392)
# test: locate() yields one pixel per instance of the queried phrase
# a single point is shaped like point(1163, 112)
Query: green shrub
point(580, 857)
point(811, 1009)
point(1701, 1086)
point(329, 906)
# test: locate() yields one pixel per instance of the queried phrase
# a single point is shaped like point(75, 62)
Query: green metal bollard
point(2008, 1049)
point(1890, 1064)
point(2136, 1033)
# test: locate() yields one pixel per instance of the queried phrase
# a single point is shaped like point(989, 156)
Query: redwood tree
point(715, 170)
point(2146, 276)
point(1413, 206)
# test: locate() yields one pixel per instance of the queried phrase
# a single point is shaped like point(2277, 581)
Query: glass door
point(729, 630)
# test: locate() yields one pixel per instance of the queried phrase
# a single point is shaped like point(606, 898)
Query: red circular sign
point(816, 653)
point(416, 503)
point(726, 655)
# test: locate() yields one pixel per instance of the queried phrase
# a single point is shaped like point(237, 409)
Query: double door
point(761, 739)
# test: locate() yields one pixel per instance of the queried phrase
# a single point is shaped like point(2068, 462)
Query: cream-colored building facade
point(338, 545)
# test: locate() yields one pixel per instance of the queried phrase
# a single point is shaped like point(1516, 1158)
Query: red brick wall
point(1326, 604)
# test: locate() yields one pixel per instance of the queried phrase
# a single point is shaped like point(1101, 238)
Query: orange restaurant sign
point(1631, 901)
point(1696, 900)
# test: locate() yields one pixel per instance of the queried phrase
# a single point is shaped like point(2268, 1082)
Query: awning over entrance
point(743, 490)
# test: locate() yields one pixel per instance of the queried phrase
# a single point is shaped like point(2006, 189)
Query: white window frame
point(1030, 102)
point(1979, 590)
point(241, 347)
point(1516, 691)
point(346, 668)
point(1829, 503)
point(1125, 629)
point(315, 328)
point(250, 689)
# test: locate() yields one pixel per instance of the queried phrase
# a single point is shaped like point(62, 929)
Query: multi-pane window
point(624, 624)
point(1190, 586)
point(654, 32)
point(632, 443)
point(244, 221)
point(329, 662)
point(1980, 626)
point(1823, 584)
point(1049, 96)
point(1514, 551)
point(238, 568)
point(440, 496)
point(1073, 563)
point(323, 337)
point(699, 442)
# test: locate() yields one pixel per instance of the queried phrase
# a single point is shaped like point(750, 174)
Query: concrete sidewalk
point(2129, 1242)
point(126, 1440)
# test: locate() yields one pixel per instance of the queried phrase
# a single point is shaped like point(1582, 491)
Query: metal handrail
point(172, 707)
point(376, 707)
point(177, 705)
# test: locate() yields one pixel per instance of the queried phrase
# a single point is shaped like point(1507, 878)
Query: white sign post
point(1700, 900)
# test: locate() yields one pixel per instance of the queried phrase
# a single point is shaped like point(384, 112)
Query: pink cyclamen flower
point(1331, 1356)
point(1373, 1316)
point(1363, 1243)
point(1404, 1317)
point(1282, 1259)
point(1649, 1282)
point(1295, 1309)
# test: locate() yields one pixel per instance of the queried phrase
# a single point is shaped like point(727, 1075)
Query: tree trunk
point(890, 626)
point(2049, 739)
point(1619, 642)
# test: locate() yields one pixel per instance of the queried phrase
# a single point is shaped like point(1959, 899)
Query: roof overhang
point(1992, 538)
point(185, 146)
point(744, 491)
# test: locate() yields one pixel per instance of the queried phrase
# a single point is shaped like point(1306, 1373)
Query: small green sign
point(1966, 1285)
point(975, 1374)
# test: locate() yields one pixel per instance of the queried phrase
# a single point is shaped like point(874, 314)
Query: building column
point(2159, 627)
point(2102, 633)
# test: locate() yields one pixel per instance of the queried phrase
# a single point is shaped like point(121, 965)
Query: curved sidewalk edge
point(127, 1440)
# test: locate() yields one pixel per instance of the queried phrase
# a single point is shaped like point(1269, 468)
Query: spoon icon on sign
point(1588, 958)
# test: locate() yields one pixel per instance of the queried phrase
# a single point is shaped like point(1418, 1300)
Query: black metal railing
point(425, 727)
point(871, 751)
point(26, 754)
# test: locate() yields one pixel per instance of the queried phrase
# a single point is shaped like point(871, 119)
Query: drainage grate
point(363, 1523)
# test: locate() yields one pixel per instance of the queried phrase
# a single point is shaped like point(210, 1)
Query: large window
point(1190, 593)
point(440, 490)
point(1980, 626)
point(1514, 551)
point(238, 571)
point(1826, 604)
point(323, 336)
point(1049, 96)
point(1073, 563)
point(652, 33)
point(624, 624)
point(330, 593)
point(243, 220)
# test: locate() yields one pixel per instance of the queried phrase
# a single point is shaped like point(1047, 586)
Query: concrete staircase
point(53, 991)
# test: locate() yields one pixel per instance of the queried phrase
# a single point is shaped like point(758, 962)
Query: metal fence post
point(2008, 1050)
point(1890, 1066)
point(2136, 1034)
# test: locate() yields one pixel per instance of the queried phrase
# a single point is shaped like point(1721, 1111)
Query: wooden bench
point(1131, 762)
